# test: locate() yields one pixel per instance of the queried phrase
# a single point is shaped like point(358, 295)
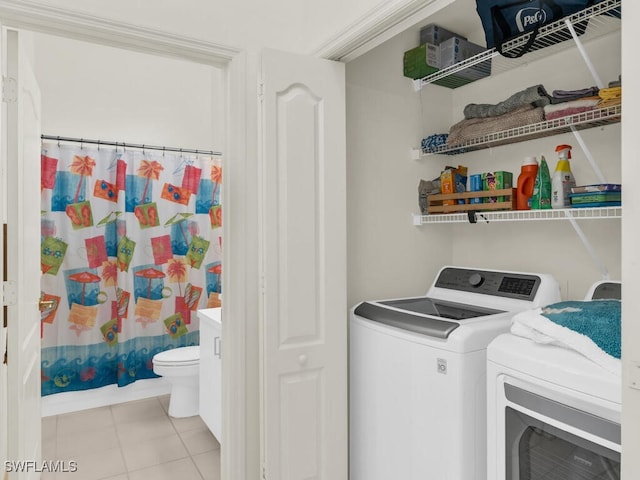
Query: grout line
point(54, 439)
point(120, 446)
point(198, 469)
point(162, 462)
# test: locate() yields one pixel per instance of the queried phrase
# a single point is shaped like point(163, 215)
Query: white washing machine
point(417, 373)
point(552, 413)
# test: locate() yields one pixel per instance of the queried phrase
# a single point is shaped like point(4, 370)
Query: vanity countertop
point(211, 315)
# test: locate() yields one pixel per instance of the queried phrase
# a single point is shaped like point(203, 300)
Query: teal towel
point(600, 320)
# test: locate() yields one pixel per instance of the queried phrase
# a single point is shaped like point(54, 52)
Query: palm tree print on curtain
point(131, 248)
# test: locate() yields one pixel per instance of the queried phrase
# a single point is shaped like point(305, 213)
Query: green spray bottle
point(541, 198)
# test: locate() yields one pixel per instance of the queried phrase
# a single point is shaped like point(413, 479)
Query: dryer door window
point(536, 450)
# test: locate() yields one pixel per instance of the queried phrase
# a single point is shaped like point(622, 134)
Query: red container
point(526, 181)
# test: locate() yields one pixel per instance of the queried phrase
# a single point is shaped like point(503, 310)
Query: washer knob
point(475, 280)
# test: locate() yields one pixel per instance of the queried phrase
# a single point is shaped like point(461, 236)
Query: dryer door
point(557, 441)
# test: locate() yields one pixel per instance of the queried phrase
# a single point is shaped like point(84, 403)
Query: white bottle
point(562, 180)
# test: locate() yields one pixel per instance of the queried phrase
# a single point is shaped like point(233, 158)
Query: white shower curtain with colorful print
point(131, 248)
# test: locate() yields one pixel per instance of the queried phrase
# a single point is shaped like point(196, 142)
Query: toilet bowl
point(181, 367)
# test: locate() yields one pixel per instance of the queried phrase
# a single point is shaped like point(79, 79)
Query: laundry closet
point(394, 251)
point(387, 117)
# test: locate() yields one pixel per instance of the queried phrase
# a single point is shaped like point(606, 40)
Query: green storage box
point(496, 181)
point(421, 61)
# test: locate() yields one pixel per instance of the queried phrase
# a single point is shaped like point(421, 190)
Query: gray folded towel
point(560, 96)
point(535, 95)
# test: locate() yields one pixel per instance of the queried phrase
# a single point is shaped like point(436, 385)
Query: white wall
point(388, 256)
point(97, 92)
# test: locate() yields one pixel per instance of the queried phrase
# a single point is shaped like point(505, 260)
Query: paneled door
point(303, 232)
point(21, 197)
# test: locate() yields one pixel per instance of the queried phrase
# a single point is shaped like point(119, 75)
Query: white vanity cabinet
point(211, 369)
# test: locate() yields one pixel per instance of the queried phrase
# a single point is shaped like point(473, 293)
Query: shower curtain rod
point(130, 145)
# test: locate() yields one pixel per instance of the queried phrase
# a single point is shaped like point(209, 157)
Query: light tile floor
point(131, 441)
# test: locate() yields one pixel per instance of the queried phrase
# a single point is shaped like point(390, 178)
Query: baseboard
point(67, 402)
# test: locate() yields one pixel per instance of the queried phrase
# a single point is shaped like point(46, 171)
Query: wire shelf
point(591, 23)
point(580, 121)
point(522, 215)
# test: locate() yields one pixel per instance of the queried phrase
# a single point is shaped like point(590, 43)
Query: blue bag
point(504, 20)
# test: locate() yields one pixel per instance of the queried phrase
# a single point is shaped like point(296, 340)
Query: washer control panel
point(487, 282)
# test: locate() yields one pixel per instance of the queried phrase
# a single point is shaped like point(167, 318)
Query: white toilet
point(181, 367)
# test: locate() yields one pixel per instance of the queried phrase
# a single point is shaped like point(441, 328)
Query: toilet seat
point(178, 357)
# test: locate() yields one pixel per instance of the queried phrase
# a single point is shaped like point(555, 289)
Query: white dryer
point(417, 373)
point(552, 413)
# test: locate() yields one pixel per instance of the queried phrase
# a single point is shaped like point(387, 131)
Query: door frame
point(21, 132)
point(236, 456)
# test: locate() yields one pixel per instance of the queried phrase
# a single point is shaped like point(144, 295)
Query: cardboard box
point(453, 180)
point(421, 61)
point(496, 181)
point(435, 35)
point(456, 49)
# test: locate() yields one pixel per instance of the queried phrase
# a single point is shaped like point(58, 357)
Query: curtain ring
point(81, 144)
point(98, 145)
point(163, 151)
point(58, 141)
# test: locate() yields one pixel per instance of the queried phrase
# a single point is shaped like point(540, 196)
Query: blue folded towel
point(431, 143)
point(600, 320)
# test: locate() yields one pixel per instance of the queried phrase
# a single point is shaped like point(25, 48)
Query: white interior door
point(304, 328)
point(21, 139)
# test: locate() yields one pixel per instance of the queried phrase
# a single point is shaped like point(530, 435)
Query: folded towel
point(608, 93)
point(570, 108)
point(470, 129)
point(535, 95)
point(610, 96)
point(567, 112)
point(431, 143)
point(591, 328)
point(559, 96)
point(583, 102)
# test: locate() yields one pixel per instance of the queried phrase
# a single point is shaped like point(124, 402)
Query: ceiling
point(298, 26)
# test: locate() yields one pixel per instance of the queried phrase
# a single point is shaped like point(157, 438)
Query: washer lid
point(181, 355)
point(410, 314)
point(440, 308)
